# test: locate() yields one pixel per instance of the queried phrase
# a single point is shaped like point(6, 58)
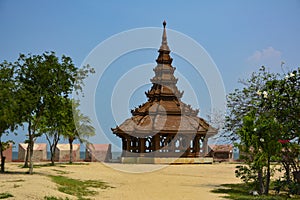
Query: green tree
point(79, 126)
point(284, 95)
point(259, 143)
point(31, 93)
point(253, 122)
point(54, 124)
point(41, 79)
point(265, 114)
point(9, 116)
point(58, 116)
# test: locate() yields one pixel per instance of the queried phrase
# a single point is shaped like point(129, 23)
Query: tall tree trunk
point(260, 182)
point(287, 171)
point(268, 176)
point(71, 149)
point(31, 142)
point(286, 162)
point(26, 157)
point(2, 163)
point(52, 152)
point(53, 146)
point(55, 142)
point(26, 165)
point(28, 146)
point(2, 158)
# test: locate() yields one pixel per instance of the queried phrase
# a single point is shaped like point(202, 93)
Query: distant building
point(221, 152)
point(39, 152)
point(62, 152)
point(98, 152)
point(8, 154)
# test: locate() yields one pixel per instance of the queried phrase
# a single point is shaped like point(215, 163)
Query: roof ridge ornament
point(164, 44)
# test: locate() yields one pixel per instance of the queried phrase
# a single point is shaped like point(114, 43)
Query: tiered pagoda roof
point(164, 112)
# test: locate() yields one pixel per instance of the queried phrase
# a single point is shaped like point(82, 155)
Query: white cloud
point(265, 56)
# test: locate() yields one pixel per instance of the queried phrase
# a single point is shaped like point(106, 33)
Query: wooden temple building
point(164, 126)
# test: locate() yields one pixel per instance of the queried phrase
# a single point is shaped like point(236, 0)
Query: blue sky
point(231, 31)
point(240, 36)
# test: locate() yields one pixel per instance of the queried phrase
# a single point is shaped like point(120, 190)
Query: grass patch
point(60, 171)
point(5, 195)
point(241, 192)
point(62, 165)
point(34, 166)
point(78, 188)
point(43, 165)
point(54, 198)
point(76, 163)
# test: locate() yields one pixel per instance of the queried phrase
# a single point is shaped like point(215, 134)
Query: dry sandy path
point(170, 182)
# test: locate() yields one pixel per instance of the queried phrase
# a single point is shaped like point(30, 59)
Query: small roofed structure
point(62, 152)
point(98, 153)
point(7, 153)
point(221, 152)
point(39, 152)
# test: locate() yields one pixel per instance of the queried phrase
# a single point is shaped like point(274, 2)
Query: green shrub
point(78, 188)
point(5, 195)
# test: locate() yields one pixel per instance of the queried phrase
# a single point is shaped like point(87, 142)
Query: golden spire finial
point(164, 43)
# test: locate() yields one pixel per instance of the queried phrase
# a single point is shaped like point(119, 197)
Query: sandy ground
point(169, 182)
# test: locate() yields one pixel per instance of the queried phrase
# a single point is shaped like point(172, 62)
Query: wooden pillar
point(197, 146)
point(123, 147)
point(124, 144)
point(156, 142)
point(190, 140)
point(168, 144)
point(205, 146)
point(186, 145)
point(172, 145)
point(135, 144)
point(128, 144)
point(142, 145)
point(193, 149)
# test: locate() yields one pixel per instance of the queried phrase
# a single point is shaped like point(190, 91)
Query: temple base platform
point(157, 160)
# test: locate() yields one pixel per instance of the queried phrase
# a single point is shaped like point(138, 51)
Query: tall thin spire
point(164, 44)
point(164, 82)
